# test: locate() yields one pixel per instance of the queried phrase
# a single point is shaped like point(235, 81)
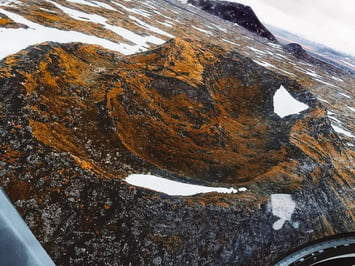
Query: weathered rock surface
point(76, 119)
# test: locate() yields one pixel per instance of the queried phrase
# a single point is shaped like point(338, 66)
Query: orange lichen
point(5, 21)
point(84, 164)
point(178, 59)
point(206, 127)
point(29, 83)
point(54, 138)
point(199, 145)
point(60, 138)
point(222, 204)
point(19, 189)
point(10, 155)
point(45, 75)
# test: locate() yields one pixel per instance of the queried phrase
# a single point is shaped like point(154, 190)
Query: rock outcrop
point(76, 119)
point(300, 53)
point(237, 13)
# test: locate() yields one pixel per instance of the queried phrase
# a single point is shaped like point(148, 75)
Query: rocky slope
point(76, 119)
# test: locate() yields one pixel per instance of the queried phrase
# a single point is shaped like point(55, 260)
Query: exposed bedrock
point(76, 119)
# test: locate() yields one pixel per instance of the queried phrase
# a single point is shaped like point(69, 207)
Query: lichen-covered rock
point(76, 119)
point(6, 22)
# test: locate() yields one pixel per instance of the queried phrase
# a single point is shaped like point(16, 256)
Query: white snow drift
point(285, 104)
point(175, 188)
point(283, 207)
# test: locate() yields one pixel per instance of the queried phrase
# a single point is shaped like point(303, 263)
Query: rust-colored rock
point(76, 119)
point(6, 22)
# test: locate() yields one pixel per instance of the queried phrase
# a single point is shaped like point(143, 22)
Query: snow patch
point(282, 56)
point(322, 100)
point(132, 10)
point(82, 2)
point(9, 2)
point(347, 63)
point(326, 83)
point(14, 40)
point(175, 188)
point(202, 30)
point(141, 41)
point(351, 108)
point(289, 73)
point(285, 104)
point(264, 64)
point(278, 46)
point(345, 95)
point(230, 42)
point(78, 15)
point(104, 5)
point(335, 119)
point(127, 34)
point(168, 19)
point(283, 207)
point(149, 27)
point(337, 79)
point(342, 131)
point(312, 74)
point(220, 28)
point(165, 23)
point(257, 51)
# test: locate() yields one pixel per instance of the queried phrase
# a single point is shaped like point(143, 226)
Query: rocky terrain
point(235, 13)
point(77, 119)
point(245, 17)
